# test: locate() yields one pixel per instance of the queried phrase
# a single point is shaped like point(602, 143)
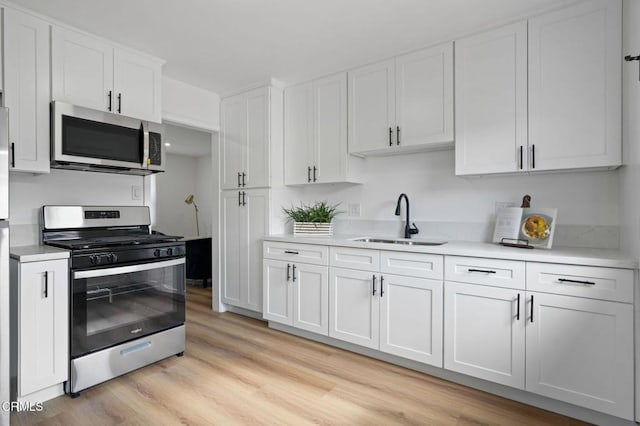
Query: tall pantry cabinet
point(250, 135)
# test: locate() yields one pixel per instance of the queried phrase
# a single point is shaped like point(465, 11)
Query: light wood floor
point(237, 371)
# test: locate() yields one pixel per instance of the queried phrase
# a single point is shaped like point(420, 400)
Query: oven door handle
point(93, 273)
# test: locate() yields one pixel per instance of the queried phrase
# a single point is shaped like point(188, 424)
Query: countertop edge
point(607, 258)
point(37, 253)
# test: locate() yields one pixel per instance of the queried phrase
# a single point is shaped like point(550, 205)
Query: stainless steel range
point(127, 306)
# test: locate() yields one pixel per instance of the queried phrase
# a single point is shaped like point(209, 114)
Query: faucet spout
point(408, 229)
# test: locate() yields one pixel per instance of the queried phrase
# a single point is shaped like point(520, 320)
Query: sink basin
point(400, 241)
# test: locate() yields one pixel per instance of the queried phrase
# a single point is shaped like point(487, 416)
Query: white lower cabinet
point(581, 351)
point(296, 294)
point(484, 332)
point(40, 294)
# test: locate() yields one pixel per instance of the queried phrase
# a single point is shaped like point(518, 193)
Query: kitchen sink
point(400, 241)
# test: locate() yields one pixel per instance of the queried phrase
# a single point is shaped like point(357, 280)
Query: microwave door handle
point(145, 146)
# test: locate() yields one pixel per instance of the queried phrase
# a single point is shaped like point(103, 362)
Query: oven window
point(94, 139)
point(112, 309)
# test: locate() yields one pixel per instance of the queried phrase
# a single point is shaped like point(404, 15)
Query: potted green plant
point(316, 219)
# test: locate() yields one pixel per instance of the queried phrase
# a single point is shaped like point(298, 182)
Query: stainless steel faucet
point(408, 229)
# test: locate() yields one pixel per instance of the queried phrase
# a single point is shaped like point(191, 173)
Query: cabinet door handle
point(381, 285)
point(110, 105)
point(315, 169)
point(309, 174)
point(565, 280)
point(244, 198)
point(390, 136)
point(532, 308)
point(294, 273)
point(374, 285)
point(46, 284)
point(244, 177)
point(521, 157)
point(13, 155)
point(239, 198)
point(239, 179)
point(486, 271)
point(288, 271)
point(518, 309)
point(397, 135)
point(291, 252)
point(533, 156)
point(119, 103)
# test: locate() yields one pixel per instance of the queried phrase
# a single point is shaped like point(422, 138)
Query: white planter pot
point(311, 229)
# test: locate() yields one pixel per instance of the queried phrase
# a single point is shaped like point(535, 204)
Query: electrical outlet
point(354, 209)
point(136, 192)
point(502, 204)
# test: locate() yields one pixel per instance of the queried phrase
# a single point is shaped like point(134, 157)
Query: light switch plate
point(136, 192)
point(354, 209)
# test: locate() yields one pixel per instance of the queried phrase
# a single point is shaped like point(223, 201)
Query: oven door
point(114, 305)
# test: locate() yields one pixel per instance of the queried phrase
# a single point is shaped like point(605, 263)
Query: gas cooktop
point(112, 241)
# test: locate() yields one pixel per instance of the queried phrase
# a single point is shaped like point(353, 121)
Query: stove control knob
point(156, 253)
point(112, 257)
point(94, 259)
point(169, 252)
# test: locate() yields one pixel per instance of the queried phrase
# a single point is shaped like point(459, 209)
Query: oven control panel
point(132, 254)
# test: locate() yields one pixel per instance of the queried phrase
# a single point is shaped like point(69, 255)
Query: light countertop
point(568, 255)
point(37, 253)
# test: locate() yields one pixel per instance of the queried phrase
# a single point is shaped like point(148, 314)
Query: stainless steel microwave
point(92, 140)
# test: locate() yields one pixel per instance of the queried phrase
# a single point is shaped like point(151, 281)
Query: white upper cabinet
point(93, 73)
point(546, 98)
point(248, 122)
point(137, 82)
point(575, 87)
point(402, 104)
point(372, 111)
point(491, 101)
point(316, 133)
point(82, 69)
point(27, 90)
point(424, 96)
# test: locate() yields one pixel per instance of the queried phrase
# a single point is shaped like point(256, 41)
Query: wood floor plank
point(237, 371)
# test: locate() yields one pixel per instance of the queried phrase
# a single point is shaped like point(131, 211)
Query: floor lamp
point(190, 200)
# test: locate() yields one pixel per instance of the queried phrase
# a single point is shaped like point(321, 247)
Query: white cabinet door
point(233, 119)
point(257, 152)
point(424, 96)
point(44, 325)
point(484, 336)
point(411, 318)
point(256, 212)
point(298, 134)
point(27, 89)
point(81, 70)
point(137, 86)
point(491, 101)
point(311, 298)
point(233, 258)
point(581, 351)
point(354, 311)
point(330, 129)
point(575, 86)
point(372, 107)
point(278, 295)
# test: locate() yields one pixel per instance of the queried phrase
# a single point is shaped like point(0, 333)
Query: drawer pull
point(486, 271)
point(291, 252)
point(565, 280)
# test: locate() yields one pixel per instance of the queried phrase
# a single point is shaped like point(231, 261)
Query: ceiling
point(224, 45)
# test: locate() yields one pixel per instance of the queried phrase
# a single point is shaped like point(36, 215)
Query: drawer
point(412, 264)
point(493, 272)
point(583, 281)
point(295, 252)
point(355, 258)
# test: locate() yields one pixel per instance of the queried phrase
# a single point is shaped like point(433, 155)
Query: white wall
point(189, 105)
point(29, 192)
point(630, 173)
point(437, 195)
point(173, 215)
